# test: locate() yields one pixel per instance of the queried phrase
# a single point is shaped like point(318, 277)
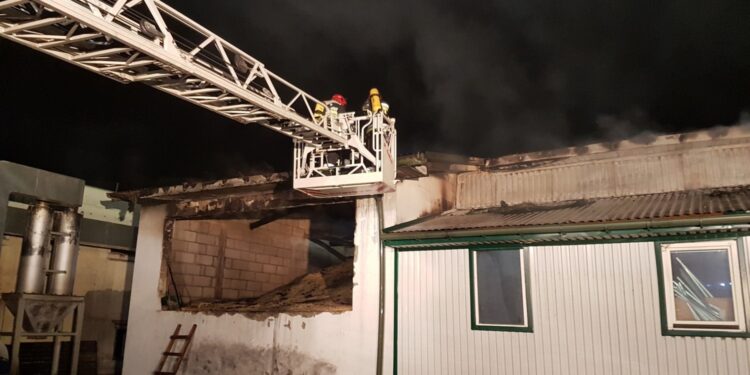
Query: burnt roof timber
point(249, 206)
point(238, 186)
point(425, 163)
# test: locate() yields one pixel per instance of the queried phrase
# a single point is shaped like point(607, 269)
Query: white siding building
point(576, 286)
point(592, 225)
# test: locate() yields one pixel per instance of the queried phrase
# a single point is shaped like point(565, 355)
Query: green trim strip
point(660, 282)
point(564, 232)
point(395, 311)
point(573, 238)
point(665, 331)
point(529, 328)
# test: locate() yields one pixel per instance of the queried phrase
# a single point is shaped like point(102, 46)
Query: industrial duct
point(53, 218)
point(28, 185)
point(48, 256)
point(35, 250)
point(62, 265)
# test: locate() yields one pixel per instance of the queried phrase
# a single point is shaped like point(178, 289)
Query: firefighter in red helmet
point(336, 105)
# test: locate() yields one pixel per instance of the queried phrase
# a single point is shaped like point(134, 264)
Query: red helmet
point(338, 98)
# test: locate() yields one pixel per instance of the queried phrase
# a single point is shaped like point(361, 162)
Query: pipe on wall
point(35, 250)
point(64, 253)
point(381, 290)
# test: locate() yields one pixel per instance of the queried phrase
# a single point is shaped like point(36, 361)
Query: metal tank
point(62, 272)
point(35, 250)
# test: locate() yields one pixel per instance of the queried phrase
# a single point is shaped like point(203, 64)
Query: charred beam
point(248, 207)
point(268, 219)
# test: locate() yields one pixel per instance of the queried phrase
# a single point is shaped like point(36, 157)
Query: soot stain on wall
point(235, 359)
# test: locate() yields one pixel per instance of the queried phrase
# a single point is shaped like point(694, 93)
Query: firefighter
point(374, 103)
point(336, 105)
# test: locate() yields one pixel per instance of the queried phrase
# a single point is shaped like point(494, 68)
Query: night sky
point(482, 78)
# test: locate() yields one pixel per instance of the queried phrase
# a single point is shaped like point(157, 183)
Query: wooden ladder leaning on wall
point(180, 355)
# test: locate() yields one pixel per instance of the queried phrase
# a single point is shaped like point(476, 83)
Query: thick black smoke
point(474, 77)
point(492, 77)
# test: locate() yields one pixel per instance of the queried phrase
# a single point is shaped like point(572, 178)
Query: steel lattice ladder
point(149, 42)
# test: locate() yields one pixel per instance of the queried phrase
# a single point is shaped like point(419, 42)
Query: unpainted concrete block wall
point(225, 259)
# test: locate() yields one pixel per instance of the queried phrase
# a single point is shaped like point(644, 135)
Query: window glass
point(702, 285)
point(500, 288)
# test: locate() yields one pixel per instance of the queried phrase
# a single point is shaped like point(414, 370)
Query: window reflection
point(702, 284)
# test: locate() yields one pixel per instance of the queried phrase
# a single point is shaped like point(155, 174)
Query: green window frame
point(474, 273)
point(689, 302)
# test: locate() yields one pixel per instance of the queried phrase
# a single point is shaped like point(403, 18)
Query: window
point(702, 288)
point(499, 290)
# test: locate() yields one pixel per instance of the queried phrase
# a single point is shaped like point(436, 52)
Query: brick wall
point(224, 259)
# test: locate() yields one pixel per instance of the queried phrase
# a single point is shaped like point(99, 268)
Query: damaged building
point(257, 267)
point(609, 258)
point(614, 257)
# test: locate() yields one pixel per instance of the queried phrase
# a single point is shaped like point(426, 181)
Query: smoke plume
point(483, 78)
point(499, 76)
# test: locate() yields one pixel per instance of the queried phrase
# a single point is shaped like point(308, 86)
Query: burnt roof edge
point(425, 163)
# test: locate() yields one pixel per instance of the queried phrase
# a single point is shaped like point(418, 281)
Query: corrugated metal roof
point(679, 204)
point(631, 172)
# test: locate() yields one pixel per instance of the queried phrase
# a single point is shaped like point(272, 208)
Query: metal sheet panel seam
point(596, 311)
point(692, 169)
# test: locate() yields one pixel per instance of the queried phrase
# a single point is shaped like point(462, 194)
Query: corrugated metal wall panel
point(690, 169)
point(595, 311)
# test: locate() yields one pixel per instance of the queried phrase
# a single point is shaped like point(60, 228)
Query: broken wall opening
point(294, 260)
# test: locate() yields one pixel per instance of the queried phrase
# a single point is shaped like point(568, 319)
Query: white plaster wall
point(348, 341)
point(412, 199)
point(421, 197)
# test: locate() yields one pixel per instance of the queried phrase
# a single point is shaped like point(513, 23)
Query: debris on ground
point(329, 290)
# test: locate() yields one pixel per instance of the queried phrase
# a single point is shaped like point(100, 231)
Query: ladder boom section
point(148, 41)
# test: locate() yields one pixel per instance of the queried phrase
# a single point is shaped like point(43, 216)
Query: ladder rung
point(172, 354)
point(179, 337)
point(164, 373)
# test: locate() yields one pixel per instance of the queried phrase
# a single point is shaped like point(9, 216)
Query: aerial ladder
point(336, 153)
